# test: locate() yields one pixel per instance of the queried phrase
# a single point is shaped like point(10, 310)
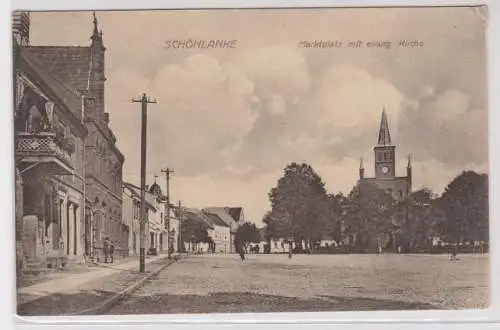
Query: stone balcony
point(42, 150)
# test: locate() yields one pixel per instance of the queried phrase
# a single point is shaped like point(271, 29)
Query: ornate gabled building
point(49, 157)
point(82, 69)
point(385, 165)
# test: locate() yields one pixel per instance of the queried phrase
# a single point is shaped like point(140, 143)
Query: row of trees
point(303, 211)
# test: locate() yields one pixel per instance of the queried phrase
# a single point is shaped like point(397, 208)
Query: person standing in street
point(111, 251)
point(106, 249)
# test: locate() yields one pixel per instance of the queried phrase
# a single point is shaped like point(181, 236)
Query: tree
point(194, 231)
point(274, 226)
point(465, 206)
point(247, 233)
point(298, 202)
point(423, 214)
point(333, 213)
point(368, 213)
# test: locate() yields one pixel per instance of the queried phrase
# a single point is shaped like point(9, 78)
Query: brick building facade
point(82, 70)
point(49, 158)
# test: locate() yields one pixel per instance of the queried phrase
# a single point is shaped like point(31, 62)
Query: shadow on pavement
point(58, 304)
point(245, 302)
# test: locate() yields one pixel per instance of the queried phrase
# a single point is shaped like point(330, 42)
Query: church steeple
point(96, 35)
point(384, 136)
point(97, 77)
point(385, 165)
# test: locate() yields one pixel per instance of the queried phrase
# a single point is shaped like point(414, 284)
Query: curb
point(110, 302)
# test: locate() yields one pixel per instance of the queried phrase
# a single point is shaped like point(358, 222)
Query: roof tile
point(71, 64)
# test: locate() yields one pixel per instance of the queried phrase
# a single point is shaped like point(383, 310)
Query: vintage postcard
point(252, 160)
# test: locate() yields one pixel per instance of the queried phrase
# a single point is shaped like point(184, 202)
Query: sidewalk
point(70, 282)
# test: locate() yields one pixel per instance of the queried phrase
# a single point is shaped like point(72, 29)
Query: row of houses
point(68, 167)
point(220, 224)
point(159, 237)
point(167, 224)
point(173, 227)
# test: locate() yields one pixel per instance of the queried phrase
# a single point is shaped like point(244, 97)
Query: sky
point(228, 121)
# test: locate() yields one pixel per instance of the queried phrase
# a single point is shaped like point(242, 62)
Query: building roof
point(136, 191)
point(64, 92)
point(235, 212)
point(215, 220)
point(197, 217)
point(384, 136)
point(222, 213)
point(71, 64)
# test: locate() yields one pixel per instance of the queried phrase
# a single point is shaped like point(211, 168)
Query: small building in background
point(131, 213)
point(231, 216)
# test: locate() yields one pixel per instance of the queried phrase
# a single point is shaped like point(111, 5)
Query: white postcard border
point(384, 320)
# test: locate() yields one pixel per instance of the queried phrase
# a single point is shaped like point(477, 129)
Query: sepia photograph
point(251, 160)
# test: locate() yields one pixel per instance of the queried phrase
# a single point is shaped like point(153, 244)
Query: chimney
point(106, 118)
point(21, 27)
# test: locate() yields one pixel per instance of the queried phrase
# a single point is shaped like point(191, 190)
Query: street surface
point(273, 283)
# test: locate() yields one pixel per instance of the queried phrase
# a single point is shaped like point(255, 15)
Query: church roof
point(384, 136)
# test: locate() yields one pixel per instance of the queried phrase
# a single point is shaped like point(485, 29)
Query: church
point(385, 165)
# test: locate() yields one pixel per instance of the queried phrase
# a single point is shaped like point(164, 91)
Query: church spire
point(96, 32)
point(96, 35)
point(384, 136)
point(409, 161)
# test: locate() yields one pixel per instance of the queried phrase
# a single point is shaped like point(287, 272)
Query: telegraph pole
point(168, 172)
point(144, 100)
point(181, 244)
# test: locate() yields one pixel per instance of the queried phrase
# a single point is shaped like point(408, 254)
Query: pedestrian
point(111, 251)
point(105, 248)
point(242, 254)
point(453, 253)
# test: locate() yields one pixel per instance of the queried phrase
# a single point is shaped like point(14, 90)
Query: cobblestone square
point(272, 283)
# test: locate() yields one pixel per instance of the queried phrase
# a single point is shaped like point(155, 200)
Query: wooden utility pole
point(168, 172)
point(144, 100)
point(181, 244)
